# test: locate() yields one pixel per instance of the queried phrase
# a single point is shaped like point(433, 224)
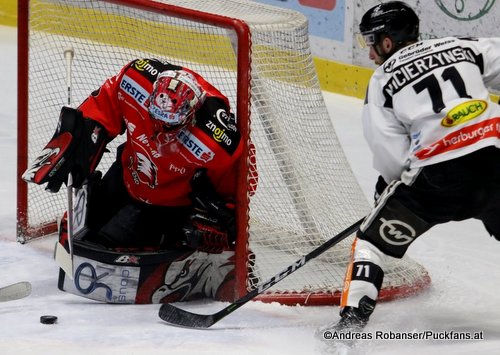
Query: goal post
point(259, 57)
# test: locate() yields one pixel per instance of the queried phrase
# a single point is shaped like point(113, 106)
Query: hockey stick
point(63, 258)
point(15, 291)
point(69, 53)
point(178, 316)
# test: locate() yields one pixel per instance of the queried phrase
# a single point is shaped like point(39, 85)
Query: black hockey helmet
point(394, 19)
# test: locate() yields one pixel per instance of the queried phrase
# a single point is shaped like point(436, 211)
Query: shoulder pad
point(150, 68)
point(214, 119)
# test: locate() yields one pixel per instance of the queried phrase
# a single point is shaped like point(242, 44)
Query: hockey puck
point(48, 319)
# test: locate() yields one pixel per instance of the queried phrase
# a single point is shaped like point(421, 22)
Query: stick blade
point(15, 291)
point(183, 318)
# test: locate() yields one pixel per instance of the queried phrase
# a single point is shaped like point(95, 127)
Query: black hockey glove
point(211, 227)
point(76, 147)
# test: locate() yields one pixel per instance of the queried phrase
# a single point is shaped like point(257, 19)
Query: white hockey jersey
point(429, 102)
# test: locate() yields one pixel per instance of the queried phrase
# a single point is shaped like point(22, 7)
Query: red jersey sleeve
point(103, 105)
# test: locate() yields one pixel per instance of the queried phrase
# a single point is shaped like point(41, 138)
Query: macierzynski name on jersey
point(407, 73)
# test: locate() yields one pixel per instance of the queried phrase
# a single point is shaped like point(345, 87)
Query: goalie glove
point(76, 147)
point(212, 224)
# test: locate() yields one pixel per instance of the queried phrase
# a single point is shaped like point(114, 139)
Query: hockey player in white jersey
point(435, 138)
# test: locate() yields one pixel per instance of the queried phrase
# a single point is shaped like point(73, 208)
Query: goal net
point(259, 57)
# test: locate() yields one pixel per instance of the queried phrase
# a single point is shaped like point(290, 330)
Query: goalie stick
point(15, 291)
point(181, 317)
point(62, 257)
point(69, 54)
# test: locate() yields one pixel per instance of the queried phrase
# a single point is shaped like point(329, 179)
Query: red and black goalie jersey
point(157, 172)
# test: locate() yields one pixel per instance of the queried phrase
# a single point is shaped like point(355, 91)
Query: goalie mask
point(175, 98)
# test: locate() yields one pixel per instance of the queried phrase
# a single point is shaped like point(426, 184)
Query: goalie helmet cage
point(259, 57)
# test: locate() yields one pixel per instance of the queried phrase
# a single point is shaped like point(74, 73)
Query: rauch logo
point(464, 112)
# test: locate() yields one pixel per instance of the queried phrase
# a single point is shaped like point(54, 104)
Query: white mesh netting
point(306, 191)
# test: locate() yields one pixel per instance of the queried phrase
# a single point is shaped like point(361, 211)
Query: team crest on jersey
point(143, 170)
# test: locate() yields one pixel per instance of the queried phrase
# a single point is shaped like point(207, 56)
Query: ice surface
point(461, 258)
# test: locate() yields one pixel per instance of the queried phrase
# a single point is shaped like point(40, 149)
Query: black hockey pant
point(117, 220)
point(455, 190)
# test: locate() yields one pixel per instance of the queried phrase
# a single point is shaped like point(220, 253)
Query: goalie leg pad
point(148, 277)
point(62, 230)
point(197, 276)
